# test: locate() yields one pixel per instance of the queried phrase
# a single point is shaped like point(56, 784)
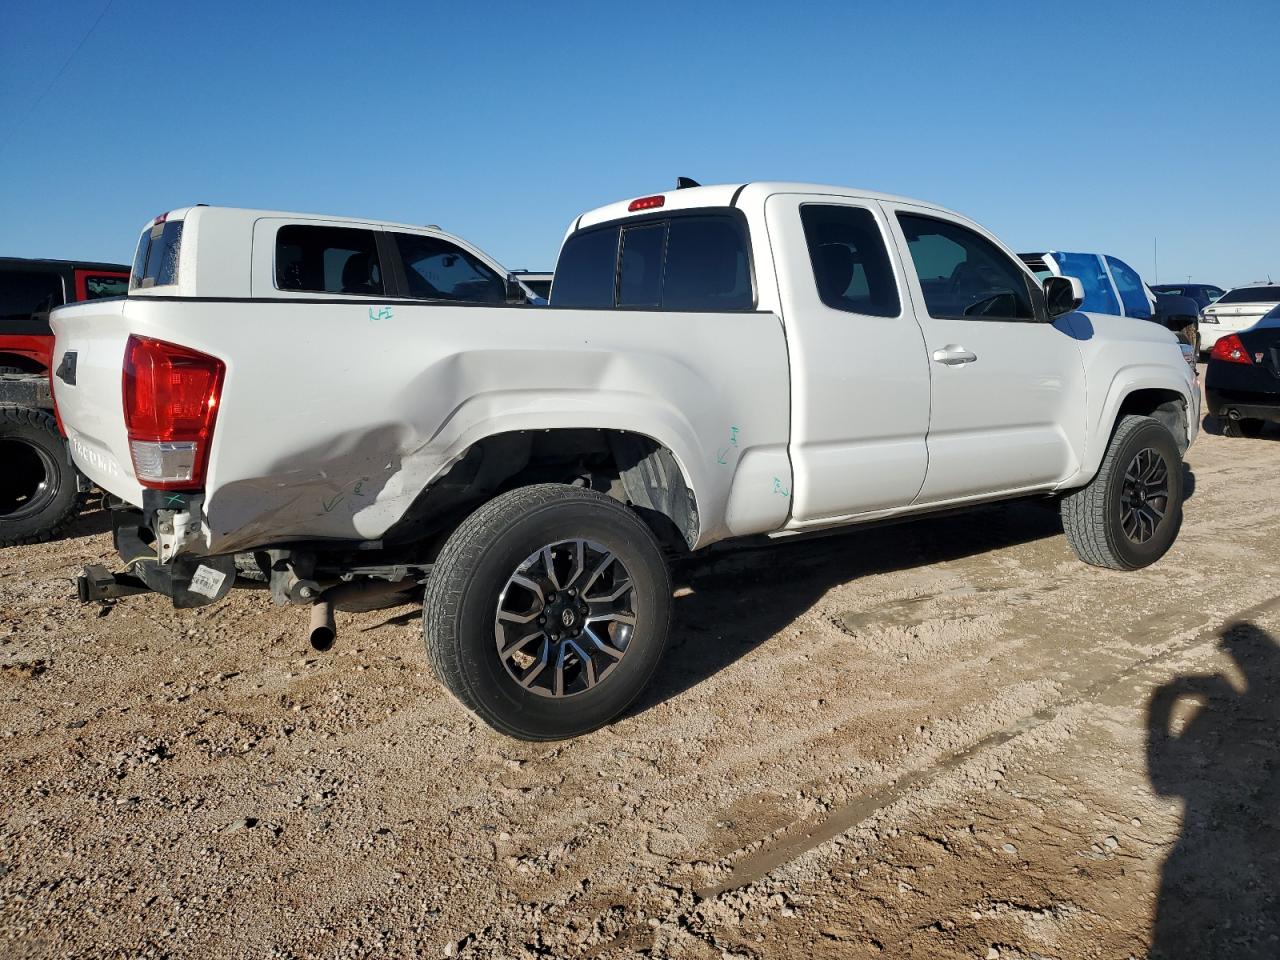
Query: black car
point(1242, 383)
point(1202, 293)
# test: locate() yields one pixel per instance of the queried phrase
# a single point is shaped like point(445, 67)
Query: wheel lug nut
point(542, 621)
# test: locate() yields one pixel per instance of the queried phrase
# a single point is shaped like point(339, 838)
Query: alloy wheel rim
point(565, 618)
point(1144, 495)
point(29, 481)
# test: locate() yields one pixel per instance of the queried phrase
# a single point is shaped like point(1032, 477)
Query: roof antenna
point(685, 182)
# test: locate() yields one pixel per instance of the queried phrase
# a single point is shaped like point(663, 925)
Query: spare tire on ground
point(39, 496)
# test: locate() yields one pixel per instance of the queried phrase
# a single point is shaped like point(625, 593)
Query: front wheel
point(547, 611)
point(1130, 513)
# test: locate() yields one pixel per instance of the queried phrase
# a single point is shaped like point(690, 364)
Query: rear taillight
point(171, 398)
point(1230, 349)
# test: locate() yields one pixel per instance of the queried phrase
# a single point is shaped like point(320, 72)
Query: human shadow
point(732, 600)
point(1219, 750)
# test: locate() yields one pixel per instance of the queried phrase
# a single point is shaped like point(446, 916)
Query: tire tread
point(1084, 519)
point(58, 521)
point(451, 572)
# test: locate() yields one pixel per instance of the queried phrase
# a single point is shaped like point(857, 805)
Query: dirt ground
point(940, 739)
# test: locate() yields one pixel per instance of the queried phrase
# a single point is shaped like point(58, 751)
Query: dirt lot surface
point(942, 739)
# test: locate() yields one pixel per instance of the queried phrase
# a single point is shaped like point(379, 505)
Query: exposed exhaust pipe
point(1233, 414)
point(323, 630)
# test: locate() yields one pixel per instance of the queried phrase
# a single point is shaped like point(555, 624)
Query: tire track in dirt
point(798, 839)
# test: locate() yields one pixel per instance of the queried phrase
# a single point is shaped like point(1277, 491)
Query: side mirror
point(1062, 295)
point(515, 292)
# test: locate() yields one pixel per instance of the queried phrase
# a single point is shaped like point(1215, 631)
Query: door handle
point(952, 355)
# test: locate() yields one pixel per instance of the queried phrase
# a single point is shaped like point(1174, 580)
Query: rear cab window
point(697, 261)
point(156, 262)
point(1251, 295)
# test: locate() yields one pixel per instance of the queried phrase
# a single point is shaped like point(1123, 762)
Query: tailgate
point(88, 364)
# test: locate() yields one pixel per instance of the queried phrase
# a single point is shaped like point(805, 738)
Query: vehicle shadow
point(1188, 483)
point(743, 596)
point(90, 522)
point(1213, 425)
point(1218, 748)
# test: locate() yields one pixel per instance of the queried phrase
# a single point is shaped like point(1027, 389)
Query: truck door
point(1007, 386)
point(859, 377)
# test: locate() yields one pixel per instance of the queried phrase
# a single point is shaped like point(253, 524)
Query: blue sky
point(1066, 126)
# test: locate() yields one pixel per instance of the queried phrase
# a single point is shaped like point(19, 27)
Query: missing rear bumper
point(187, 581)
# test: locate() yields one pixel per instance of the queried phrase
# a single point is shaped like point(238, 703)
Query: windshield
point(1252, 295)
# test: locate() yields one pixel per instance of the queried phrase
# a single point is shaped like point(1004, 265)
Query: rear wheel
point(38, 494)
point(1129, 514)
point(547, 611)
point(1244, 427)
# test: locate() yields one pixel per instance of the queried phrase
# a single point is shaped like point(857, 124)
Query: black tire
point(468, 580)
point(38, 491)
point(1094, 517)
point(1246, 427)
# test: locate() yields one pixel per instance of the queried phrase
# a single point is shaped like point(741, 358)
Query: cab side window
point(962, 274)
point(851, 264)
point(1132, 293)
point(435, 269)
point(328, 260)
point(95, 287)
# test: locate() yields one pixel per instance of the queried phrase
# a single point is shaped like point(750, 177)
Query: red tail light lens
point(171, 398)
point(646, 203)
point(1230, 349)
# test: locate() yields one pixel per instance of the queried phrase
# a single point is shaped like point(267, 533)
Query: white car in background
point(1236, 310)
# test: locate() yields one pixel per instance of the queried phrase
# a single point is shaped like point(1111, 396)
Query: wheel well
point(1167, 406)
point(630, 467)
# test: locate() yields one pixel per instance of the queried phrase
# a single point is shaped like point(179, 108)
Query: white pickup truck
point(716, 362)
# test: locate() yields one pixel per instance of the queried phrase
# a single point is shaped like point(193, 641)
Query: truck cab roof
point(209, 251)
point(735, 195)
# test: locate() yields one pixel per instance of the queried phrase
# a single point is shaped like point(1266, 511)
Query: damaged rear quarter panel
point(335, 417)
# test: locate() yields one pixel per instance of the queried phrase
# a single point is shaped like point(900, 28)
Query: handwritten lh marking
point(722, 454)
point(384, 313)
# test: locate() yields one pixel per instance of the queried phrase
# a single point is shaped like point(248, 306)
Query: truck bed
point(336, 414)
